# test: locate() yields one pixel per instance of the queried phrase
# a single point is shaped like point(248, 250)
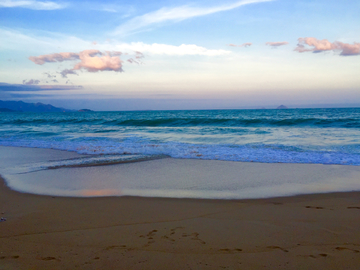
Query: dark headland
point(21, 106)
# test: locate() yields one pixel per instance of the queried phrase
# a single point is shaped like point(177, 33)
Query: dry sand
point(301, 232)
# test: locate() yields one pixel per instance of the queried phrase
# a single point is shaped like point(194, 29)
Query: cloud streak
point(277, 44)
point(35, 5)
point(6, 87)
point(247, 44)
point(165, 49)
point(175, 14)
point(311, 44)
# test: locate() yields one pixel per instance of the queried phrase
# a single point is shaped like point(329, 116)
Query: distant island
point(282, 107)
point(20, 106)
point(85, 110)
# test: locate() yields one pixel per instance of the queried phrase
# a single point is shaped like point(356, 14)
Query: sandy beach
point(318, 231)
point(303, 232)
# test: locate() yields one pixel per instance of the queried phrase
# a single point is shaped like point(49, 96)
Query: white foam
point(135, 145)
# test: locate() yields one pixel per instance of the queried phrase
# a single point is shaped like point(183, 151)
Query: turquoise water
point(323, 136)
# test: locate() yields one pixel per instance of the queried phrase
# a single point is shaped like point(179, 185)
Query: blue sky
point(180, 54)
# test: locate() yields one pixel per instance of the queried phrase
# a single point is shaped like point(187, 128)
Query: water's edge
point(171, 178)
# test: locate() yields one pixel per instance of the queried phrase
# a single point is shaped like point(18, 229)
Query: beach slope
point(318, 231)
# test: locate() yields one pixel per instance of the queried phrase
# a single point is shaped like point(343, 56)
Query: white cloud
point(123, 10)
point(165, 49)
point(18, 41)
point(109, 9)
point(21, 42)
point(36, 5)
point(175, 14)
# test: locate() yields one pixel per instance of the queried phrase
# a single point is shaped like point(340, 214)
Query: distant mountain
point(281, 107)
point(30, 107)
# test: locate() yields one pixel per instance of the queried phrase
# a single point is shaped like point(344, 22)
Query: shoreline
point(312, 231)
point(168, 177)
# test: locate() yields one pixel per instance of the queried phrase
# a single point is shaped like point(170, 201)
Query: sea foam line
point(87, 161)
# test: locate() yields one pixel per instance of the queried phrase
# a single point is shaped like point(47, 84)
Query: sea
point(308, 136)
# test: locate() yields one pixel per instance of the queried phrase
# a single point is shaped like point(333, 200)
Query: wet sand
point(318, 231)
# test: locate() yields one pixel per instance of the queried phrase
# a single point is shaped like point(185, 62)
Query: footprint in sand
point(228, 250)
point(195, 236)
point(151, 233)
point(9, 257)
point(115, 247)
point(175, 229)
point(345, 248)
point(175, 234)
point(49, 259)
point(314, 207)
point(277, 247)
point(169, 236)
point(150, 236)
point(318, 256)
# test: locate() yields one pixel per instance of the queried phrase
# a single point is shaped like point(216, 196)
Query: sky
point(172, 54)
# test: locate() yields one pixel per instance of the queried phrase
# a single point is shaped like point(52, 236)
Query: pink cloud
point(315, 45)
point(277, 44)
point(114, 53)
point(349, 49)
point(94, 61)
point(131, 60)
point(247, 44)
point(55, 57)
point(89, 60)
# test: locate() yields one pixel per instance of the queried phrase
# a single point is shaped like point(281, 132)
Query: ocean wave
point(188, 122)
point(326, 136)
